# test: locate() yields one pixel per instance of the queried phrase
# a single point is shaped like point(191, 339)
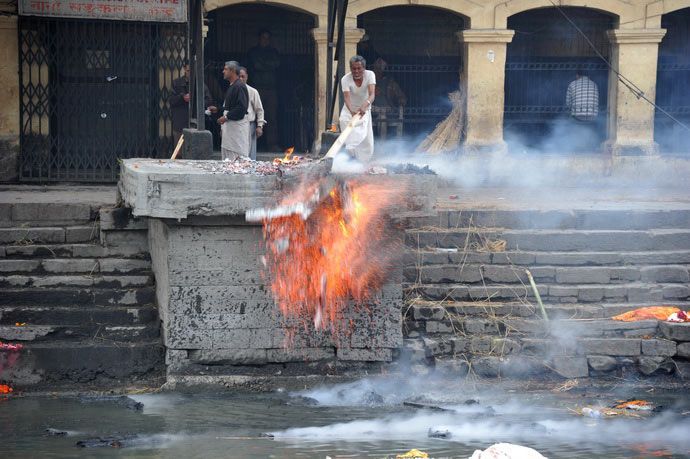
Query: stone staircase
point(470, 306)
point(76, 289)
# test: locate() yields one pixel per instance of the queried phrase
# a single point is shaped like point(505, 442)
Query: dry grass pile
point(448, 133)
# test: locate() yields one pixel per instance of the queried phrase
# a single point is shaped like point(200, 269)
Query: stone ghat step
point(75, 265)
point(79, 315)
point(633, 292)
point(434, 310)
point(92, 363)
point(66, 296)
point(49, 234)
point(440, 256)
point(55, 333)
point(98, 281)
point(552, 240)
point(502, 346)
point(46, 214)
point(471, 273)
point(585, 219)
point(76, 250)
point(563, 329)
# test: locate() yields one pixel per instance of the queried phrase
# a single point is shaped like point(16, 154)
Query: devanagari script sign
point(132, 10)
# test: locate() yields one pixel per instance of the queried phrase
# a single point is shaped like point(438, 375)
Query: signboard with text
point(129, 10)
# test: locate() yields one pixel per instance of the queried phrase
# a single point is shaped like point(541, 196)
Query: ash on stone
point(426, 406)
point(301, 400)
point(409, 168)
point(439, 432)
point(119, 400)
point(115, 441)
point(55, 432)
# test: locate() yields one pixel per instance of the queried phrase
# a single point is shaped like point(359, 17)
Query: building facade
point(513, 58)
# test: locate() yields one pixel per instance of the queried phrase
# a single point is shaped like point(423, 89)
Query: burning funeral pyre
point(327, 244)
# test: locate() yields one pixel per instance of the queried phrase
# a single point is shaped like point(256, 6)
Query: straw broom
point(448, 133)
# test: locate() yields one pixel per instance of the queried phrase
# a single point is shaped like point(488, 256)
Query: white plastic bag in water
point(507, 451)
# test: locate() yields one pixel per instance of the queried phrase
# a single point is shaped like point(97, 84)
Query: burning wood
point(7, 361)
point(326, 244)
point(288, 158)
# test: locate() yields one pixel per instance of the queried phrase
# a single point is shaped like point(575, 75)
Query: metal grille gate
point(93, 92)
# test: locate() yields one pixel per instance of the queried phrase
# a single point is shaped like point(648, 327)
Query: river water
point(361, 419)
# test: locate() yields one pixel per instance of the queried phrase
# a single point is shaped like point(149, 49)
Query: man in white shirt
point(255, 114)
point(359, 91)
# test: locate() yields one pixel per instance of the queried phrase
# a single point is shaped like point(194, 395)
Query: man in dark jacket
point(234, 125)
point(179, 103)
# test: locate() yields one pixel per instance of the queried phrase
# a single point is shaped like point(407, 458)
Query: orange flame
point(288, 158)
point(339, 253)
point(5, 389)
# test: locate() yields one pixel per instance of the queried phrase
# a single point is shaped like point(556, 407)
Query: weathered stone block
point(675, 331)
point(562, 290)
point(610, 346)
point(590, 294)
point(452, 367)
point(676, 292)
point(439, 327)
point(480, 344)
point(50, 212)
point(652, 365)
point(624, 274)
point(365, 355)
point(514, 258)
point(664, 274)
point(302, 354)
point(10, 266)
point(683, 350)
point(436, 347)
point(587, 275)
point(661, 347)
point(228, 356)
point(80, 233)
point(504, 346)
point(71, 265)
point(429, 312)
point(603, 363)
point(488, 367)
point(570, 367)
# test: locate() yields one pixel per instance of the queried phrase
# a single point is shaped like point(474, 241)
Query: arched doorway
point(422, 55)
point(233, 31)
point(673, 83)
point(542, 60)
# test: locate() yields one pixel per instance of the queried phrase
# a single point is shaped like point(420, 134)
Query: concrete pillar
point(320, 42)
point(630, 122)
point(484, 77)
point(352, 37)
point(9, 94)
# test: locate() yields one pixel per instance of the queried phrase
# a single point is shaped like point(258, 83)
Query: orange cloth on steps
point(648, 313)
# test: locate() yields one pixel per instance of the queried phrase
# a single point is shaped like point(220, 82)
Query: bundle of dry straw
point(448, 133)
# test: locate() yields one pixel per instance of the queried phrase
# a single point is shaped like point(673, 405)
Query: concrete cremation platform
point(219, 320)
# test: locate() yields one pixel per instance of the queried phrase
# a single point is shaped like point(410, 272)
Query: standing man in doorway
point(234, 125)
point(264, 61)
point(359, 91)
point(255, 114)
point(179, 103)
point(582, 98)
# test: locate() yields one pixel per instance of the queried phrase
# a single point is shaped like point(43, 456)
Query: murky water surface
point(363, 419)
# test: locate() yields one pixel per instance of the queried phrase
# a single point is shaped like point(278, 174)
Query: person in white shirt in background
point(255, 114)
point(359, 91)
